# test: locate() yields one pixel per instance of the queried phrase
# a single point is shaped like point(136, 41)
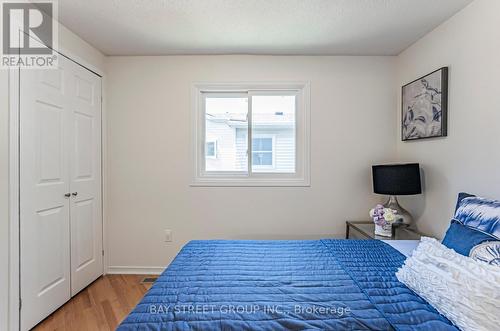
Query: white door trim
point(13, 291)
point(13, 263)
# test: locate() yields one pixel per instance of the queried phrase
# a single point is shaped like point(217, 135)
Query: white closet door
point(60, 154)
point(44, 181)
point(84, 88)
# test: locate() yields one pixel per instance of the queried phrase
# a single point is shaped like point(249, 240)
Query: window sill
point(234, 182)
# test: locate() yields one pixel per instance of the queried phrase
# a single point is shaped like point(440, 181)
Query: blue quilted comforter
point(283, 285)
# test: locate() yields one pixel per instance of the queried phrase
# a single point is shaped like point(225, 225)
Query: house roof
point(258, 119)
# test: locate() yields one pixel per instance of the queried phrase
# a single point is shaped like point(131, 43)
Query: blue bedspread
point(283, 285)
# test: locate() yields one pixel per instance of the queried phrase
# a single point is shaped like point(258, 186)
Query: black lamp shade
point(397, 179)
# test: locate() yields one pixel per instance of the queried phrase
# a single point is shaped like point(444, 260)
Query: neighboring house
point(273, 139)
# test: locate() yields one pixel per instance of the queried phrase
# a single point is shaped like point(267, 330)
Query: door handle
point(67, 195)
point(74, 194)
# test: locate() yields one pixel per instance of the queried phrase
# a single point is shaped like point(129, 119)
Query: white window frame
point(214, 141)
point(301, 176)
point(273, 151)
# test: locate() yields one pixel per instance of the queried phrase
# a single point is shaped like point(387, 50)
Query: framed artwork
point(424, 106)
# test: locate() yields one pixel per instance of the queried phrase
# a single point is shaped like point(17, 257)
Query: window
point(251, 134)
point(211, 149)
point(262, 152)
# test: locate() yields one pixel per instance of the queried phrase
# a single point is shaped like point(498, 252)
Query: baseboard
point(134, 270)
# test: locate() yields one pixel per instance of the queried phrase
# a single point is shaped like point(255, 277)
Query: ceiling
point(329, 27)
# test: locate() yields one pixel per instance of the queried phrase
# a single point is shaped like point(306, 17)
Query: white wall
point(469, 158)
point(79, 49)
point(71, 44)
point(352, 109)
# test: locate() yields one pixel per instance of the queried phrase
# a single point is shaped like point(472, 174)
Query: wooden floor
point(101, 306)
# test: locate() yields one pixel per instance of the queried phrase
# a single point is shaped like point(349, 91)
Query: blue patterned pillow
point(461, 196)
point(488, 252)
point(480, 213)
point(462, 239)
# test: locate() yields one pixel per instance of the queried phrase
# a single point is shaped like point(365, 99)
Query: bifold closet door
point(85, 178)
point(44, 107)
point(60, 186)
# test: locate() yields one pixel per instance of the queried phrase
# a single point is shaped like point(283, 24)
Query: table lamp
point(394, 180)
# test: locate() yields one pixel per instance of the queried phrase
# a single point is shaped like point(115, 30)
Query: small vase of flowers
point(383, 219)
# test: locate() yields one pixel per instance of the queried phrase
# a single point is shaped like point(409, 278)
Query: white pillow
point(466, 291)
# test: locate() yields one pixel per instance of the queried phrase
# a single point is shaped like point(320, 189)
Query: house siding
point(241, 148)
point(284, 145)
point(226, 149)
point(232, 147)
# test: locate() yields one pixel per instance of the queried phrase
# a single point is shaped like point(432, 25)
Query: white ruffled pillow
point(466, 291)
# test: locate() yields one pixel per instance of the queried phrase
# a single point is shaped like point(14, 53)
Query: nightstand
point(366, 230)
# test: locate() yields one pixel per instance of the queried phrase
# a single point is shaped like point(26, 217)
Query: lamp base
point(403, 217)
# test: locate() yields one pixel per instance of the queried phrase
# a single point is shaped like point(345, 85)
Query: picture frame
point(424, 106)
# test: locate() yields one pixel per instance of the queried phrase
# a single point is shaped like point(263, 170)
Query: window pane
point(262, 144)
point(210, 149)
point(274, 115)
point(262, 159)
point(226, 123)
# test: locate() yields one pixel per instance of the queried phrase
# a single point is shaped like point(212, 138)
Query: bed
point(284, 285)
